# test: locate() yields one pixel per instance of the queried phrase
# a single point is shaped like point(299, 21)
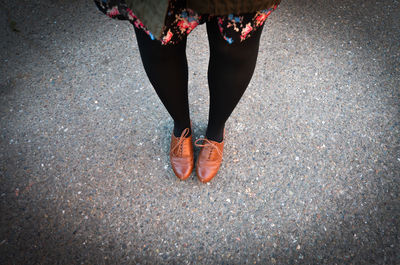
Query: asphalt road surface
point(311, 165)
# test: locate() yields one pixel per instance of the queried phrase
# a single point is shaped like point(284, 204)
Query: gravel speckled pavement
point(312, 154)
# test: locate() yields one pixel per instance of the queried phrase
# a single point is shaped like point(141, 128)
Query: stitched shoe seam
point(209, 154)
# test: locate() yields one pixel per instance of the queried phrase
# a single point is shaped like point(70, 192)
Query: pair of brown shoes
point(182, 157)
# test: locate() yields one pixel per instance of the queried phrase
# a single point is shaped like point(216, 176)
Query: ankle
point(215, 135)
point(179, 129)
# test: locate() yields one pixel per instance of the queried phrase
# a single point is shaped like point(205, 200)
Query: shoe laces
point(208, 143)
point(184, 134)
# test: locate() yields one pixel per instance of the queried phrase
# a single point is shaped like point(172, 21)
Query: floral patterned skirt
point(180, 21)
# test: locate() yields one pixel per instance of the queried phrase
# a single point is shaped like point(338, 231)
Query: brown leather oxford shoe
point(209, 160)
point(181, 154)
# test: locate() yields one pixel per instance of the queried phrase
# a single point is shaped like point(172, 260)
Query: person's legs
point(167, 69)
point(230, 69)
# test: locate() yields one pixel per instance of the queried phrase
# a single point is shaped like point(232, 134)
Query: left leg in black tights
point(167, 69)
point(230, 69)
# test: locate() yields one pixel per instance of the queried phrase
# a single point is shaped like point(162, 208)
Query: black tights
point(230, 69)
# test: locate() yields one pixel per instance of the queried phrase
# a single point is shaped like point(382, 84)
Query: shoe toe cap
point(182, 169)
point(206, 173)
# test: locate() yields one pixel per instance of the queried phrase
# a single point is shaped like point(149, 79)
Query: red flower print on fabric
point(180, 21)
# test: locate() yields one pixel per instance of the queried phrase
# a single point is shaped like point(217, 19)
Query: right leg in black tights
point(230, 69)
point(167, 69)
